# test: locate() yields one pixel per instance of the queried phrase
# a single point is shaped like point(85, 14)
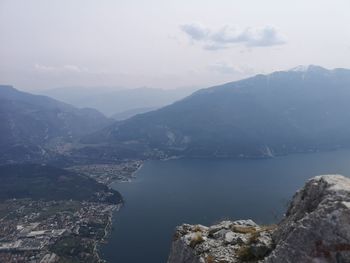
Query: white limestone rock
point(317, 224)
point(316, 229)
point(219, 243)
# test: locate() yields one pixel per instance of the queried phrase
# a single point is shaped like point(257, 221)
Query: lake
point(204, 191)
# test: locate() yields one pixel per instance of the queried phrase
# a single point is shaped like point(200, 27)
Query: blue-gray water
point(169, 193)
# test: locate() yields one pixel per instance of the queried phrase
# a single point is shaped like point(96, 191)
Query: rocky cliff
point(315, 229)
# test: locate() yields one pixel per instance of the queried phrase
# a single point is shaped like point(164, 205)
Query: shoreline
point(133, 175)
point(107, 232)
point(109, 226)
point(253, 157)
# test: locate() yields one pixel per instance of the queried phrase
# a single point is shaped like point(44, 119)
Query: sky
point(166, 44)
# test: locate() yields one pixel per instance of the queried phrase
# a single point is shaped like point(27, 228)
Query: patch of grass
point(267, 228)
point(196, 239)
point(254, 237)
point(252, 229)
point(244, 254)
point(244, 229)
point(197, 228)
point(210, 259)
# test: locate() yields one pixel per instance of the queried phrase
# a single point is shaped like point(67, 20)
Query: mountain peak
point(262, 111)
point(307, 68)
point(7, 88)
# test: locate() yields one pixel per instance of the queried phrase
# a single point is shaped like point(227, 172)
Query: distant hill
point(130, 113)
point(301, 110)
point(114, 101)
point(33, 125)
point(41, 182)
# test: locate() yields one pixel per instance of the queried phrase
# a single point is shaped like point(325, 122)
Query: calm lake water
point(168, 193)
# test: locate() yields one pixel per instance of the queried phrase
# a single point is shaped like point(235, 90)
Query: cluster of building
point(30, 230)
point(109, 173)
point(33, 231)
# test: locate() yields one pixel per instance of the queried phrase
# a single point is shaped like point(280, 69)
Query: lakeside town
point(39, 231)
point(110, 173)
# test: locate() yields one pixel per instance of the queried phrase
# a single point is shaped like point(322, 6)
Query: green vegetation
point(67, 207)
point(32, 125)
point(71, 249)
point(92, 230)
point(42, 182)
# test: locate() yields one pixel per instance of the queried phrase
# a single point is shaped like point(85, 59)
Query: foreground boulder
point(228, 241)
point(315, 229)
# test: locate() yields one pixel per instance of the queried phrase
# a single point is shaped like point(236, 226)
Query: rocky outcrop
point(228, 241)
point(315, 229)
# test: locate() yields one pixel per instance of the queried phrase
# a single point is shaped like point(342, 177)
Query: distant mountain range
point(130, 113)
point(34, 127)
point(115, 101)
point(301, 110)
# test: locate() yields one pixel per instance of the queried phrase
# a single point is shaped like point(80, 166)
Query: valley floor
point(61, 231)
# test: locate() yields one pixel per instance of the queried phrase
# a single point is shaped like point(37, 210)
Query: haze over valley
point(118, 103)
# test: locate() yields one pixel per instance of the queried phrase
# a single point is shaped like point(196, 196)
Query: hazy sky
point(166, 44)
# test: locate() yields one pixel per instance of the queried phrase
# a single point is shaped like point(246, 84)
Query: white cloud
point(196, 31)
point(44, 68)
point(226, 68)
point(227, 36)
point(73, 68)
point(59, 69)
